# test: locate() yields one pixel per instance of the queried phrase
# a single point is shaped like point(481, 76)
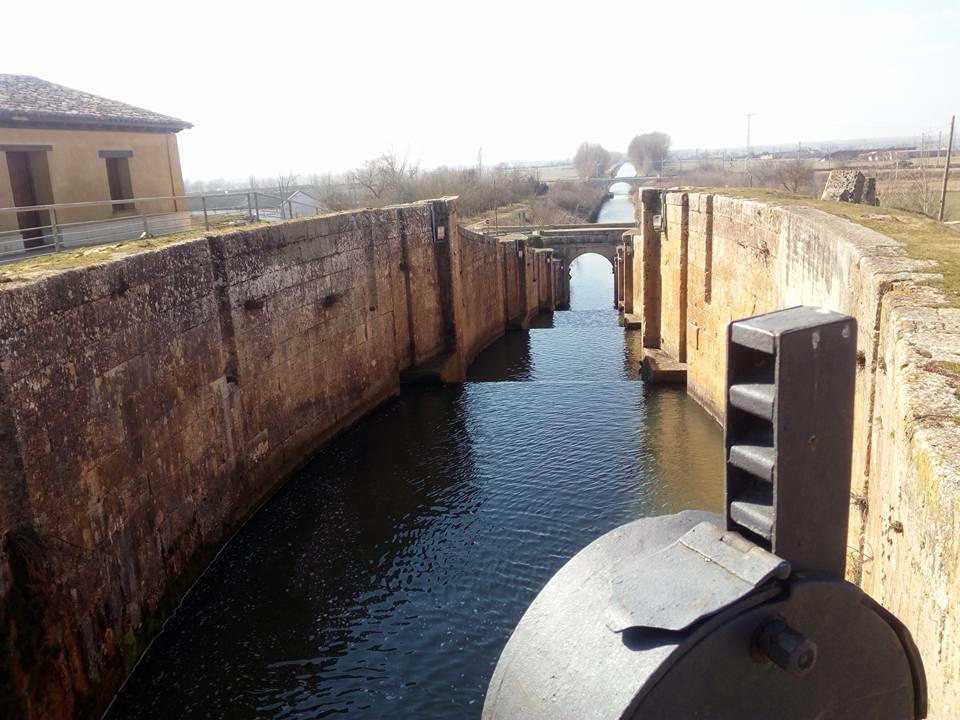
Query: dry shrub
point(578, 199)
point(912, 189)
point(387, 180)
point(792, 176)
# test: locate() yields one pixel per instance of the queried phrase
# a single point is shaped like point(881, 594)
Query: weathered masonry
point(149, 404)
point(720, 258)
point(561, 245)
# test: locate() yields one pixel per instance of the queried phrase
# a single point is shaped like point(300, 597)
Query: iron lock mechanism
point(743, 616)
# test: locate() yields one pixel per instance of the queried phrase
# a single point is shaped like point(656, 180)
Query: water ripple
point(384, 579)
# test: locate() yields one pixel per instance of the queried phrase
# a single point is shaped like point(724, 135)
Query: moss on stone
point(130, 648)
point(952, 368)
point(90, 256)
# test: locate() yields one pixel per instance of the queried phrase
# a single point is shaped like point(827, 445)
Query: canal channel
point(384, 579)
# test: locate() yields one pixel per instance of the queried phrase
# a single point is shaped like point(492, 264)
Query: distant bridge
point(634, 182)
point(570, 241)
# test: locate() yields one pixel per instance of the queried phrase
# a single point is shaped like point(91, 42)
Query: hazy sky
point(319, 87)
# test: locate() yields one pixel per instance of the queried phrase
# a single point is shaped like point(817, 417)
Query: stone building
point(59, 145)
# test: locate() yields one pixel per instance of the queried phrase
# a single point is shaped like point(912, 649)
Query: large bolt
point(785, 647)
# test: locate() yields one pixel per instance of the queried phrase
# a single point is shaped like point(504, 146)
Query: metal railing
point(41, 229)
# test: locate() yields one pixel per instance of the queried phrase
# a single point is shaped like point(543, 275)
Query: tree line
point(648, 153)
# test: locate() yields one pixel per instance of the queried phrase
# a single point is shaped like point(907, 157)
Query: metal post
point(249, 207)
point(946, 170)
point(55, 231)
point(206, 220)
point(923, 180)
point(256, 204)
point(496, 203)
point(146, 229)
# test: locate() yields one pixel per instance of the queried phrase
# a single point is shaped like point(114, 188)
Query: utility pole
point(946, 169)
point(746, 162)
point(923, 179)
point(496, 204)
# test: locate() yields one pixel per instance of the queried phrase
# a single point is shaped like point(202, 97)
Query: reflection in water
point(591, 298)
point(384, 579)
point(686, 449)
point(591, 284)
point(619, 208)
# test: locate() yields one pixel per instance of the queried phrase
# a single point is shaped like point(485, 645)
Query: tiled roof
point(28, 100)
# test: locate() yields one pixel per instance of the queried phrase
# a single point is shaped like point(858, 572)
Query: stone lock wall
point(149, 404)
point(514, 309)
point(118, 414)
point(561, 279)
point(521, 302)
point(545, 278)
point(673, 288)
point(723, 258)
point(483, 291)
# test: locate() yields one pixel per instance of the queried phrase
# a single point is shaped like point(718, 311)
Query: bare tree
point(335, 194)
point(794, 176)
point(369, 177)
point(649, 152)
point(386, 177)
point(911, 189)
point(591, 160)
point(285, 183)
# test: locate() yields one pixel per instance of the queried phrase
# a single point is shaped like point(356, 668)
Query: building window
point(118, 178)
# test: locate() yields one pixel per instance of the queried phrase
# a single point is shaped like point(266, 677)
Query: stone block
point(850, 186)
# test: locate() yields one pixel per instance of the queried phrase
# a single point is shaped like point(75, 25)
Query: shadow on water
point(384, 579)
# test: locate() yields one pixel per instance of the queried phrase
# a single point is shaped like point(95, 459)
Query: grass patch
point(951, 210)
point(922, 237)
point(216, 218)
point(507, 214)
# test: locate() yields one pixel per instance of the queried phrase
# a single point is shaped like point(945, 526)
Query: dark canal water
point(384, 579)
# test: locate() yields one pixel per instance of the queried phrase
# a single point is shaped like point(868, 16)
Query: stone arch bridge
point(635, 182)
point(568, 242)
